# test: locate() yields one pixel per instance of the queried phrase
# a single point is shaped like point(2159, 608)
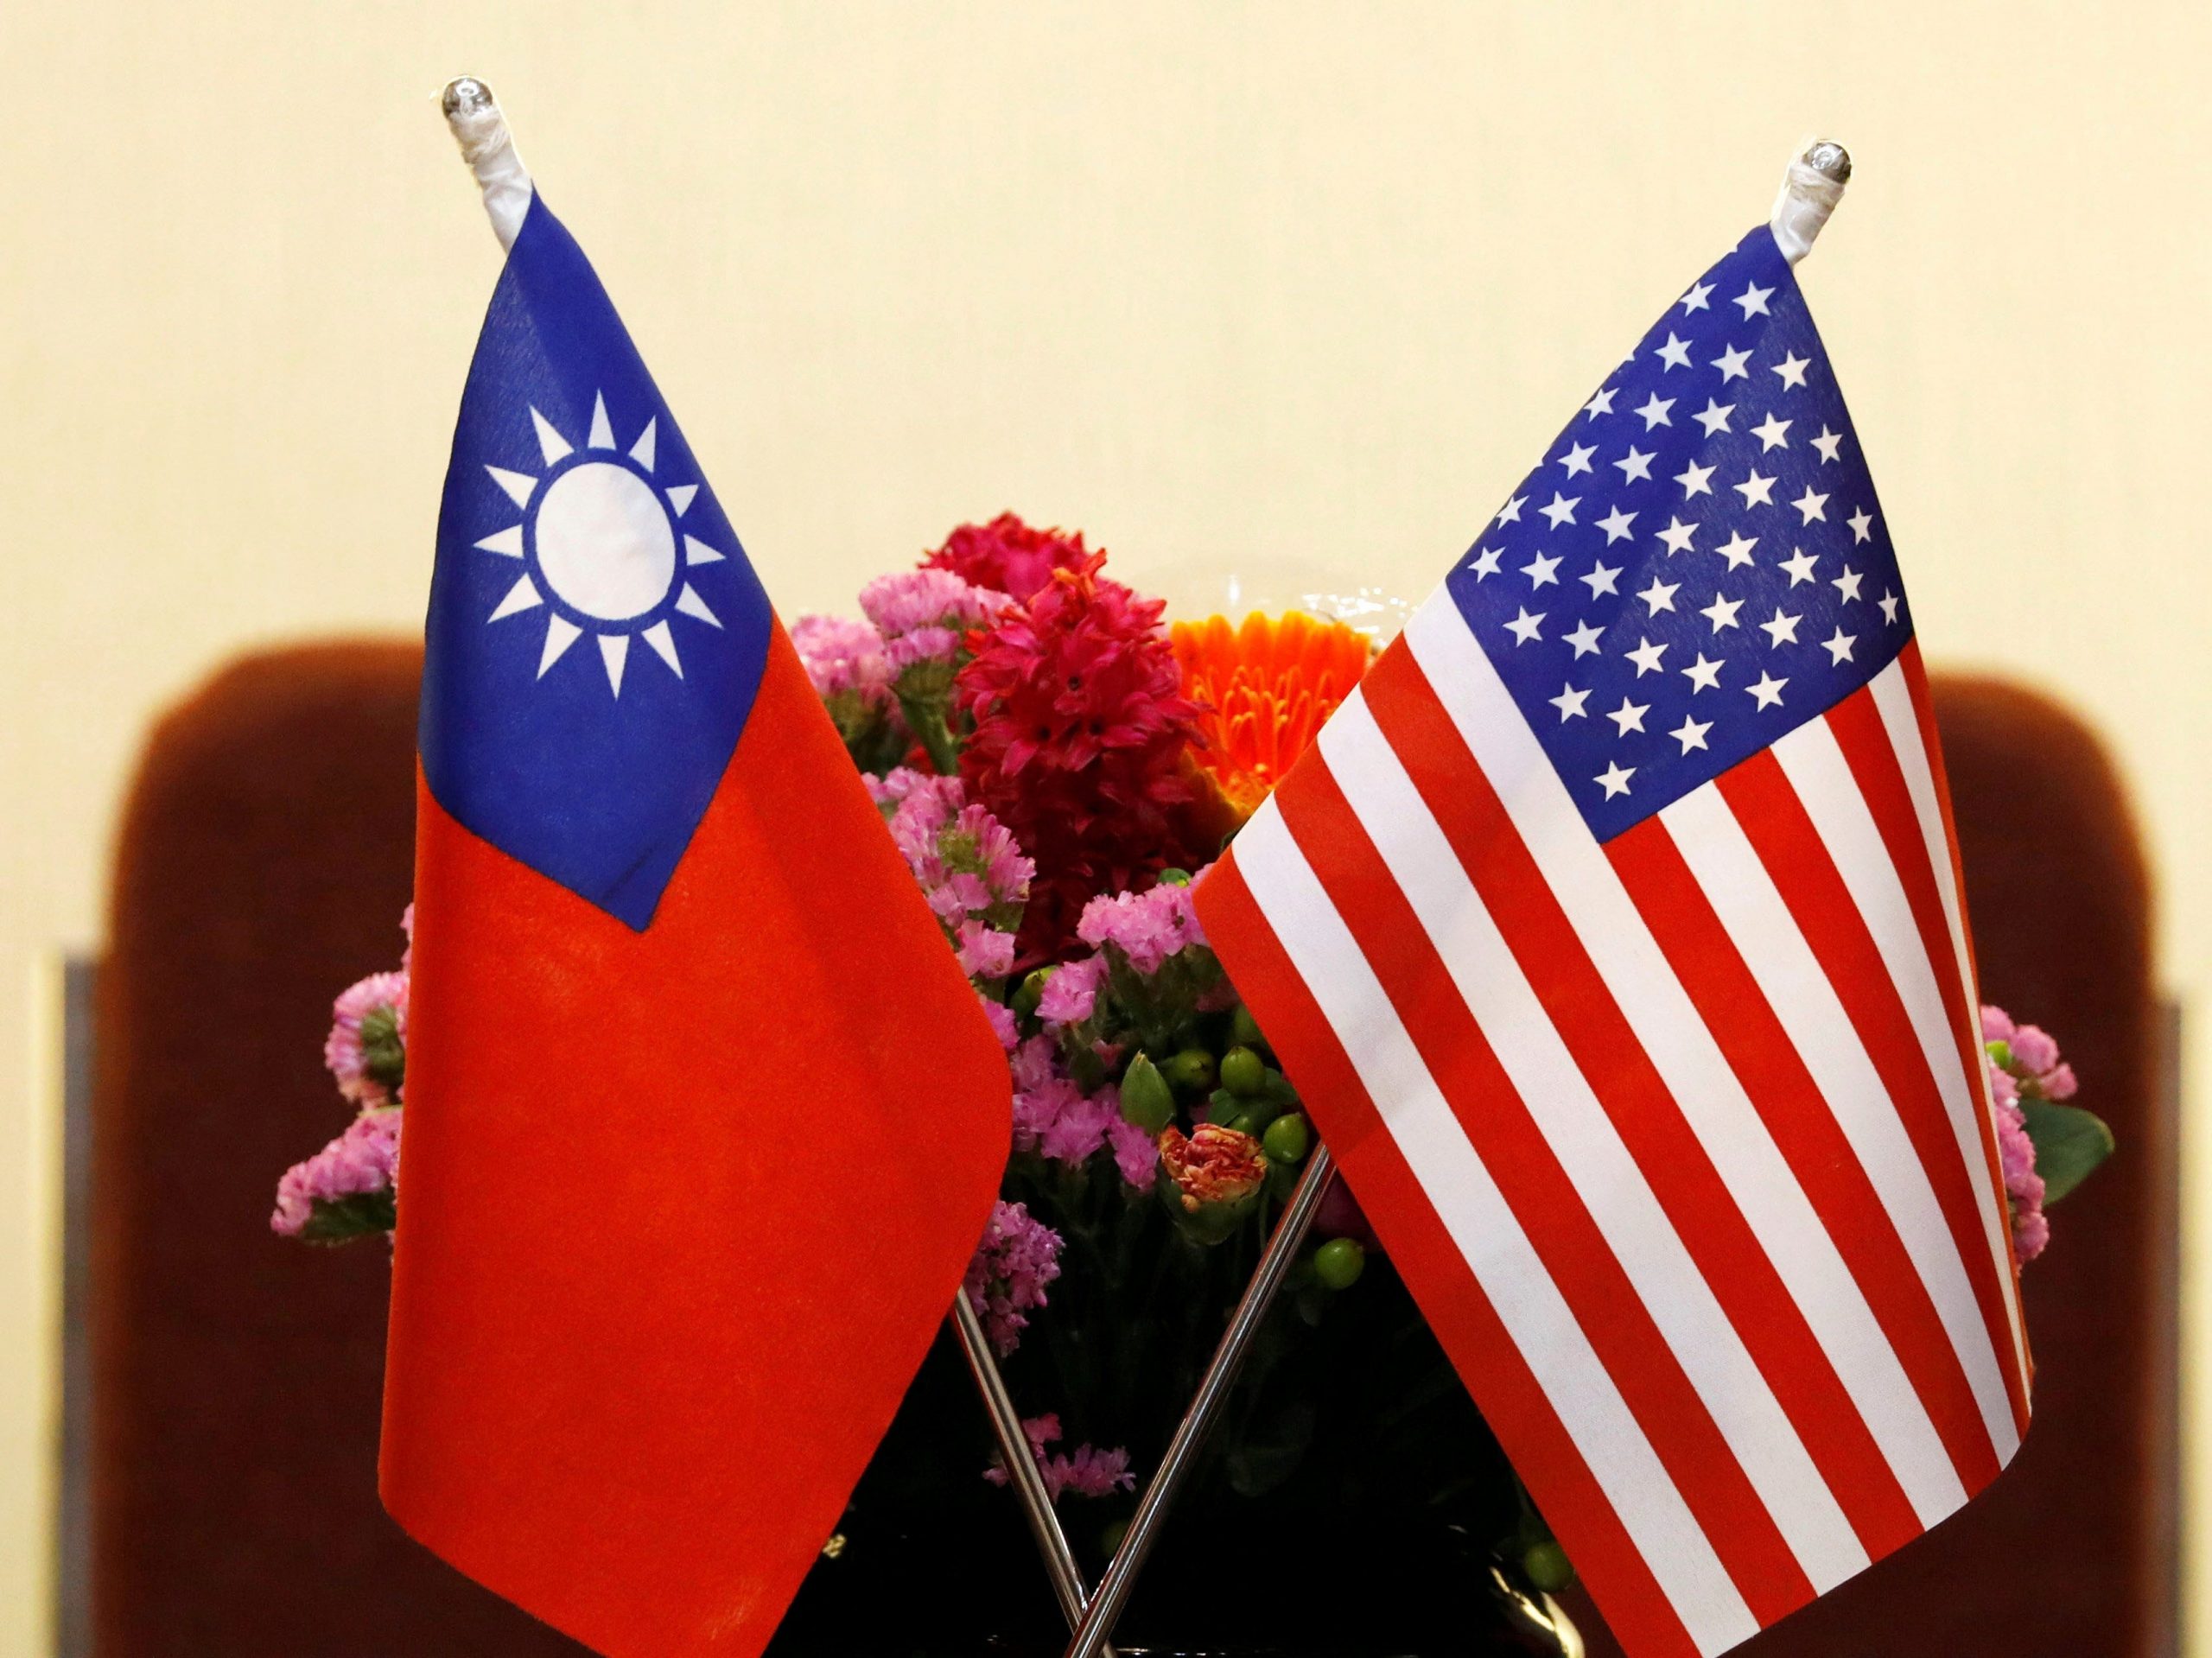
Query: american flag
point(1613, 933)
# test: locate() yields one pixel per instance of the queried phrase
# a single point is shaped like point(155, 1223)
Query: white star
point(1862, 526)
point(1695, 299)
point(1768, 692)
point(1721, 612)
point(1615, 524)
point(1646, 656)
point(1485, 562)
point(1629, 716)
point(1888, 604)
point(1839, 647)
point(1812, 505)
point(1577, 458)
point(1757, 490)
point(1523, 627)
point(1660, 595)
point(1772, 433)
point(1511, 512)
point(1600, 404)
point(1615, 778)
point(1693, 481)
point(1847, 584)
point(1783, 630)
point(1635, 465)
point(1561, 509)
point(1828, 443)
point(1801, 566)
point(1677, 535)
point(1753, 298)
point(1691, 733)
point(1715, 416)
point(1539, 571)
point(1736, 549)
point(1792, 370)
point(1654, 412)
point(1730, 365)
point(1601, 579)
point(1585, 640)
point(1569, 703)
point(1675, 353)
point(1703, 674)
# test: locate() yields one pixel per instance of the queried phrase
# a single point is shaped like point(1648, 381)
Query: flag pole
point(1811, 186)
point(1190, 1432)
point(487, 145)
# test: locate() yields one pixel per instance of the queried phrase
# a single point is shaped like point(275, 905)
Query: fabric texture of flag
point(703, 1120)
point(1613, 933)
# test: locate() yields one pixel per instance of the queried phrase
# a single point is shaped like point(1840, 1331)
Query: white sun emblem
point(603, 540)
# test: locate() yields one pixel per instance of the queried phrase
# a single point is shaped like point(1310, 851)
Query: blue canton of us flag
point(596, 634)
point(1700, 565)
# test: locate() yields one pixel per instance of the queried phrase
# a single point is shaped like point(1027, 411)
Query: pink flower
point(1147, 927)
point(407, 926)
point(1088, 1472)
point(1071, 994)
point(907, 600)
point(1996, 1025)
point(2016, 1155)
point(1003, 1024)
point(1017, 1258)
point(1008, 555)
point(930, 644)
point(1134, 1154)
point(368, 1034)
point(984, 952)
point(1080, 1127)
point(2033, 1051)
point(841, 654)
point(362, 1160)
point(2058, 1083)
point(902, 783)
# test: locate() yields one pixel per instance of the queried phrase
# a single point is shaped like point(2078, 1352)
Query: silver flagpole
point(1198, 1421)
point(1810, 189)
point(488, 147)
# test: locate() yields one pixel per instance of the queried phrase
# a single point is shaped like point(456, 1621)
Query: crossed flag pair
point(1613, 933)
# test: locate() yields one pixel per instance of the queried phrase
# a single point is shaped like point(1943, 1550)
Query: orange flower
point(1265, 687)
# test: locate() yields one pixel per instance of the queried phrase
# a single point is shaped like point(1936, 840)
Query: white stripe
point(1574, 1124)
point(1893, 702)
point(1467, 1201)
point(1759, 923)
point(1669, 1027)
point(1816, 768)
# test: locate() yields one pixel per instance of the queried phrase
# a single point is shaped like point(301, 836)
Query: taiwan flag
point(703, 1120)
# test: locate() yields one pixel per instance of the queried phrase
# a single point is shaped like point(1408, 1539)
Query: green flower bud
point(2001, 1050)
point(1146, 1101)
point(1244, 1030)
point(1244, 1072)
point(1192, 1072)
point(1340, 1262)
point(1548, 1566)
point(1174, 878)
point(1033, 990)
point(1237, 1121)
point(384, 1056)
point(1287, 1139)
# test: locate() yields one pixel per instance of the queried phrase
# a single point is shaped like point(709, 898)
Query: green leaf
point(2069, 1143)
point(342, 1220)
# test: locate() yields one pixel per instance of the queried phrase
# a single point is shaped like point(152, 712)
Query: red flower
point(1214, 1165)
point(1006, 555)
point(1079, 732)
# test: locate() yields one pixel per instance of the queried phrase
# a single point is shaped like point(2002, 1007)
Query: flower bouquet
point(1056, 765)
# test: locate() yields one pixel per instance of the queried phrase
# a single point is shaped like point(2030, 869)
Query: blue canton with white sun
point(1700, 565)
point(596, 634)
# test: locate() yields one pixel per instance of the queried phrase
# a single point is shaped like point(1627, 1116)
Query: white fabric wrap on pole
point(1811, 189)
point(489, 148)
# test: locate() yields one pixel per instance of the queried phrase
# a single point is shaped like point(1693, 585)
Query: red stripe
point(1797, 861)
point(1697, 1201)
point(1605, 1303)
point(1510, 1398)
point(1923, 713)
point(1758, 1049)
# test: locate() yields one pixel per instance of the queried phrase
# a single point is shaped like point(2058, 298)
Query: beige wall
point(1224, 285)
